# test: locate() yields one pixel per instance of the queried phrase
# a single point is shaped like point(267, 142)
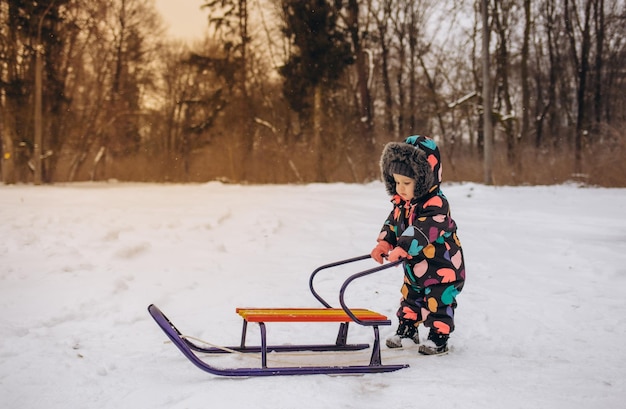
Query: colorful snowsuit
point(435, 274)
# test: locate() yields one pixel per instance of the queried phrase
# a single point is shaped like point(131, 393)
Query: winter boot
point(405, 330)
point(436, 344)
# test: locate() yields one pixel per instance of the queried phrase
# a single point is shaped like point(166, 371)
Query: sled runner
point(344, 316)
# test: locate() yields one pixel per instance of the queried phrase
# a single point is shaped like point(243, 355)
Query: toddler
point(420, 230)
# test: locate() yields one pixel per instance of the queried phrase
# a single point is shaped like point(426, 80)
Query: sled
point(261, 316)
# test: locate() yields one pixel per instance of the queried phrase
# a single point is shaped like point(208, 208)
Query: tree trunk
point(524, 74)
point(10, 98)
point(487, 120)
point(37, 146)
point(318, 148)
point(581, 121)
point(401, 91)
point(582, 64)
point(413, 33)
point(363, 72)
point(598, 77)
point(555, 67)
point(507, 121)
point(8, 150)
point(384, 49)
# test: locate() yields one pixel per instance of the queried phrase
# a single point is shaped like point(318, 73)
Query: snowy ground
point(540, 323)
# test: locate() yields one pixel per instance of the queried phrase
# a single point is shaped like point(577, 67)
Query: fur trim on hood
point(418, 154)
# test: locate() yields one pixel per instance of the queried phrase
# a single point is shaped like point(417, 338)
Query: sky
point(185, 19)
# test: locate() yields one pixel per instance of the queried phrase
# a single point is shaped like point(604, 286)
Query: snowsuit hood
point(417, 157)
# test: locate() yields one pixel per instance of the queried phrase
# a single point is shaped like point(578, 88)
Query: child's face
point(405, 186)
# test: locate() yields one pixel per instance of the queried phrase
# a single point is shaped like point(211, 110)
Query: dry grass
point(601, 167)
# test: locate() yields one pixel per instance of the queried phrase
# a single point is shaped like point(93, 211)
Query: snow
point(540, 323)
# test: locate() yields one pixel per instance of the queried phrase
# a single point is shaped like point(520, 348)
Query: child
point(420, 230)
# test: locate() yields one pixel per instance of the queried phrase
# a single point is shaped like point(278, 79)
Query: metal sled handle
point(347, 282)
point(331, 265)
point(354, 277)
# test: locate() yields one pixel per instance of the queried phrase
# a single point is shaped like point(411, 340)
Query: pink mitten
point(397, 254)
point(381, 249)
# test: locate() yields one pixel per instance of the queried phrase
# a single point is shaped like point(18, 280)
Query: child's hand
point(381, 250)
point(397, 254)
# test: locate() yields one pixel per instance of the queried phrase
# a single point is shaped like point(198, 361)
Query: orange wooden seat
point(306, 315)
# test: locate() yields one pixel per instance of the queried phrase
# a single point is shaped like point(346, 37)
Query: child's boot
point(405, 329)
point(436, 344)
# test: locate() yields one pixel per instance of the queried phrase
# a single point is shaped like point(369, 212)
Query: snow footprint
point(133, 251)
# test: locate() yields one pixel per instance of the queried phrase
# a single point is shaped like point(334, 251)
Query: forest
point(301, 91)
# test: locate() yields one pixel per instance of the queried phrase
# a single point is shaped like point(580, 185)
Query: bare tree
point(115, 101)
point(108, 78)
point(524, 74)
point(32, 87)
point(578, 31)
point(10, 91)
point(362, 69)
point(487, 125)
point(502, 16)
point(400, 31)
point(381, 14)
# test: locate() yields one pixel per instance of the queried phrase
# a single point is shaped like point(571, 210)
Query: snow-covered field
point(541, 322)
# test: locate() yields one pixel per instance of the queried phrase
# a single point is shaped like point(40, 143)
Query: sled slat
point(306, 315)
